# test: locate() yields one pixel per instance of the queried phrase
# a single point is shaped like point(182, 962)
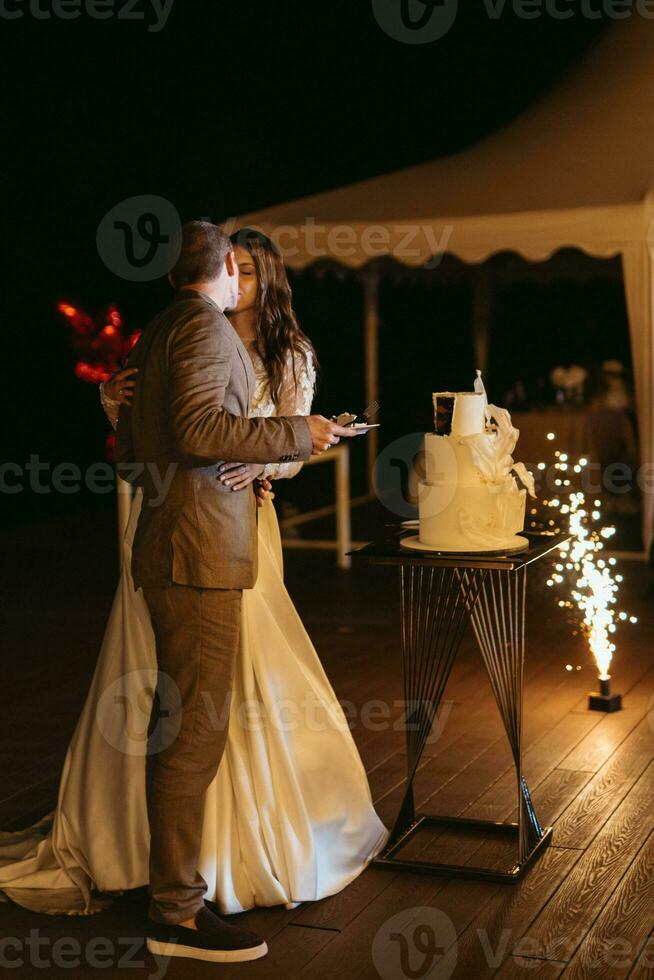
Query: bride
point(289, 816)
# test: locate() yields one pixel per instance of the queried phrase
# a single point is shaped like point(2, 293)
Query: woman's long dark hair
point(278, 331)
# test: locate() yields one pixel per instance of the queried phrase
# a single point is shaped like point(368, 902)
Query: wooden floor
point(585, 908)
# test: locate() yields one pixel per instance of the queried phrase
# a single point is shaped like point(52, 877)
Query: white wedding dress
point(289, 816)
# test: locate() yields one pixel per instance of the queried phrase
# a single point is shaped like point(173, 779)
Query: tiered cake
point(472, 496)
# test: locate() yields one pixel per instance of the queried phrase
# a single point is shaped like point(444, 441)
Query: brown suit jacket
point(188, 414)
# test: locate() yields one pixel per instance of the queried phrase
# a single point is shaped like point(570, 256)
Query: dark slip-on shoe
point(213, 940)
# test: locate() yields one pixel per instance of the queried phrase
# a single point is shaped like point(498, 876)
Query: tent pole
point(371, 346)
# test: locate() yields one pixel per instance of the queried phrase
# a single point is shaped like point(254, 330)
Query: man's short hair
point(202, 254)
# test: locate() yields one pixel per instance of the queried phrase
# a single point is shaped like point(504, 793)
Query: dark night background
point(233, 107)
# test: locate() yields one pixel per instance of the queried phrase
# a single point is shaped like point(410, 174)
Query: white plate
point(362, 427)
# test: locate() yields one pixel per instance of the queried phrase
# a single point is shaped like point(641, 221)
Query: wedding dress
point(289, 816)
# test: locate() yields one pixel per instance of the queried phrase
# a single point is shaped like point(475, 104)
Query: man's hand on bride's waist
point(238, 476)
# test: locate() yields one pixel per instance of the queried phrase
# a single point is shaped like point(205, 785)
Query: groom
point(195, 550)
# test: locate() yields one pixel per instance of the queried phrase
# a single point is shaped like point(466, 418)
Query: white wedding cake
point(471, 494)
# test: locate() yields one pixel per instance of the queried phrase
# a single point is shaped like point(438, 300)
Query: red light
point(93, 373)
point(100, 345)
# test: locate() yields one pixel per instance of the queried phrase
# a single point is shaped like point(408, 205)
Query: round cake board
point(515, 544)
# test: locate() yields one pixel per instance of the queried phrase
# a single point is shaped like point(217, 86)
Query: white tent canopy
point(576, 171)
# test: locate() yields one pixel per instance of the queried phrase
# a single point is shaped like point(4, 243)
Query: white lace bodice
point(294, 400)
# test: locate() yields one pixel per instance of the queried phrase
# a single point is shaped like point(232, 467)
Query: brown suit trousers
point(197, 636)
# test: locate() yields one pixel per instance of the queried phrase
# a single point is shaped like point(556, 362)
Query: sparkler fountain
point(589, 579)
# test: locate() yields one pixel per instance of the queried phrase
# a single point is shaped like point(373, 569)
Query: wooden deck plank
point(605, 791)
point(546, 716)
point(491, 938)
point(433, 774)
point(517, 968)
point(292, 949)
point(551, 745)
point(593, 751)
point(460, 847)
point(565, 921)
point(349, 951)
point(539, 760)
point(554, 794)
point(643, 968)
point(615, 940)
point(458, 903)
point(337, 911)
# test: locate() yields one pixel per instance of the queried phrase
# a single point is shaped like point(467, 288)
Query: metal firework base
point(604, 699)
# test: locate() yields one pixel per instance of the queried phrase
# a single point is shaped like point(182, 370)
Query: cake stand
point(439, 594)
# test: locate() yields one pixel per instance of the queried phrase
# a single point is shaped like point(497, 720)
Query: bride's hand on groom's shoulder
point(326, 434)
point(120, 386)
point(238, 476)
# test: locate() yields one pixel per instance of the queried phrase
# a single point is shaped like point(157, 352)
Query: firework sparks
point(589, 582)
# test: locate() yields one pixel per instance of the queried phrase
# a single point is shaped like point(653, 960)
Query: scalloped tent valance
point(536, 235)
